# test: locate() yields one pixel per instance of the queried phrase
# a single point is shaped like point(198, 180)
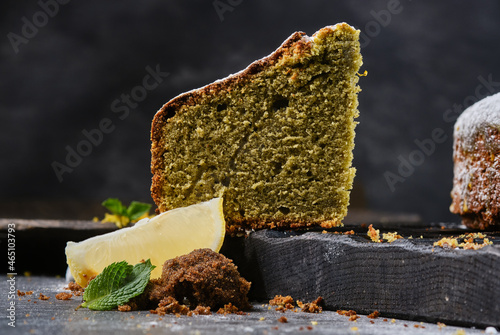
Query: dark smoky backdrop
point(80, 82)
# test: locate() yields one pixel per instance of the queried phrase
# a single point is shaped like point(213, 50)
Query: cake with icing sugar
point(476, 156)
point(275, 140)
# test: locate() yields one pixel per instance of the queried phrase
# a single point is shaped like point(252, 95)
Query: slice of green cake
point(274, 140)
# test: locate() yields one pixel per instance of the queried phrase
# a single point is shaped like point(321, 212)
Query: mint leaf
point(116, 285)
point(136, 209)
point(115, 206)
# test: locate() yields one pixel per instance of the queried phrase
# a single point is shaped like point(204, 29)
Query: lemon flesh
point(165, 236)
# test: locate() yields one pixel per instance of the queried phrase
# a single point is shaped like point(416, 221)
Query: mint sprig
point(116, 285)
point(133, 212)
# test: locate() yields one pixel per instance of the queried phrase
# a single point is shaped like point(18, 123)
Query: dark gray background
point(422, 60)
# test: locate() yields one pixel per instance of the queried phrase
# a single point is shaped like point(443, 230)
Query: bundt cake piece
point(275, 140)
point(476, 182)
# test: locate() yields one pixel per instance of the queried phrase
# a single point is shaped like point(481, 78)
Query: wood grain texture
point(26, 224)
point(405, 278)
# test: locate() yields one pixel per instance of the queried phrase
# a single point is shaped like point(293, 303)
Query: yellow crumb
point(374, 234)
point(447, 243)
point(391, 237)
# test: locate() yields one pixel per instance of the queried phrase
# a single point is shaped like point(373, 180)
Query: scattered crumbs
point(312, 307)
point(86, 318)
point(346, 313)
point(354, 318)
point(410, 237)
point(468, 243)
point(459, 332)
point(27, 273)
point(309, 328)
point(391, 237)
point(27, 315)
point(314, 323)
point(228, 309)
point(63, 296)
point(75, 289)
point(405, 325)
point(324, 232)
point(282, 302)
point(124, 308)
point(262, 319)
point(372, 322)
point(374, 315)
point(285, 303)
point(447, 243)
point(349, 232)
point(374, 234)
point(201, 310)
point(283, 319)
point(147, 315)
point(441, 325)
point(43, 297)
point(354, 329)
point(53, 318)
point(393, 320)
point(385, 320)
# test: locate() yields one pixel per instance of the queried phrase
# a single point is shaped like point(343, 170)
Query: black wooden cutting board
point(408, 278)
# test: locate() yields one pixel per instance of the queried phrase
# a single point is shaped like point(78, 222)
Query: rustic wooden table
point(34, 316)
point(408, 280)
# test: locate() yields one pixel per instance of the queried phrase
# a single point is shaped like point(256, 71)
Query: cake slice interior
point(274, 140)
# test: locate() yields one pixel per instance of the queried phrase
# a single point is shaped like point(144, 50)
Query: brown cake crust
point(476, 182)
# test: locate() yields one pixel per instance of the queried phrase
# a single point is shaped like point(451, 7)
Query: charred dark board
point(40, 243)
point(408, 278)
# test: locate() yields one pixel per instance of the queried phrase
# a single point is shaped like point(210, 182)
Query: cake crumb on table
point(283, 319)
point(64, 296)
point(374, 315)
point(43, 297)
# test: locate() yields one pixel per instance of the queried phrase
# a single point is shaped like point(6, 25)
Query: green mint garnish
point(116, 285)
point(133, 212)
point(136, 209)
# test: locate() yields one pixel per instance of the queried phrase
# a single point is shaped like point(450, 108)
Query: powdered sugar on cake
point(476, 119)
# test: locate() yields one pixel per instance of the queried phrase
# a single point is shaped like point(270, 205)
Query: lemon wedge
point(165, 236)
